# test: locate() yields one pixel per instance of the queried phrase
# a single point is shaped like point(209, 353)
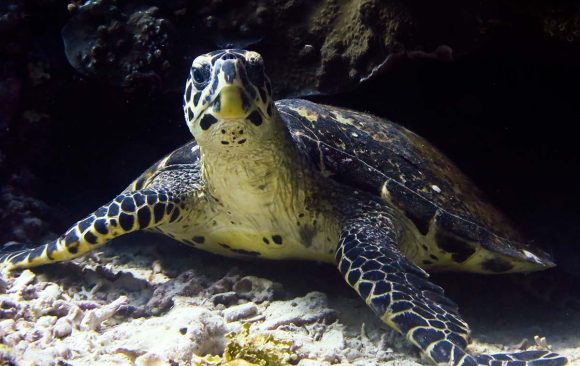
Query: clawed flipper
point(525, 358)
point(128, 212)
point(400, 293)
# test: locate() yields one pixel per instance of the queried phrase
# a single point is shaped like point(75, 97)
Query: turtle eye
point(200, 75)
point(255, 71)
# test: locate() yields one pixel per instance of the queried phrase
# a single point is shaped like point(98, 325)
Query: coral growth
point(128, 45)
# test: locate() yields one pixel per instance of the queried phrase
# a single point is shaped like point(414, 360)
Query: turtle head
point(228, 99)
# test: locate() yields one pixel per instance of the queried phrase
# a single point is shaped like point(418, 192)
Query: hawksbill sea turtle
point(297, 180)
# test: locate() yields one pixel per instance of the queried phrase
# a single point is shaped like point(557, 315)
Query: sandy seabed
point(145, 300)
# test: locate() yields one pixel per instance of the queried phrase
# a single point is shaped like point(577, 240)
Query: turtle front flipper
point(128, 212)
point(400, 293)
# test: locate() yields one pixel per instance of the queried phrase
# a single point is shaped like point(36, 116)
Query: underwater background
point(91, 94)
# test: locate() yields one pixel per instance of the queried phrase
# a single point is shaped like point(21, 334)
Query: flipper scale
point(404, 298)
point(128, 212)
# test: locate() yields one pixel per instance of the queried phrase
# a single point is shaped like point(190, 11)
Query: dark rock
point(257, 289)
point(225, 298)
point(127, 45)
point(186, 284)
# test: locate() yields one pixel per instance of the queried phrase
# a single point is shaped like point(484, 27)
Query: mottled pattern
point(400, 293)
point(396, 289)
point(387, 160)
point(128, 212)
point(155, 199)
point(210, 73)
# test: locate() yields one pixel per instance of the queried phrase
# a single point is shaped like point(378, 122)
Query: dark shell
point(386, 159)
point(187, 154)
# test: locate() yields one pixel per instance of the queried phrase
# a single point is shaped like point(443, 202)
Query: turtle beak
point(230, 103)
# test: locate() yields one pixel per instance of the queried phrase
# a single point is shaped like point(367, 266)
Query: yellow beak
point(231, 105)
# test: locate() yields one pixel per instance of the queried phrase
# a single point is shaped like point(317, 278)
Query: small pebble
point(51, 291)
point(29, 292)
point(150, 359)
point(240, 312)
point(157, 267)
point(8, 313)
point(22, 281)
point(256, 289)
point(62, 328)
point(93, 318)
point(234, 327)
point(6, 327)
point(33, 335)
point(75, 315)
point(46, 321)
point(87, 305)
point(226, 298)
point(12, 339)
point(23, 325)
point(7, 303)
point(62, 350)
point(60, 308)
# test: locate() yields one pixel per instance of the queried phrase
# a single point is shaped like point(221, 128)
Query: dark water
point(505, 112)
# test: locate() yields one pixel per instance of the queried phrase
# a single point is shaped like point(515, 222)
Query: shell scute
point(383, 158)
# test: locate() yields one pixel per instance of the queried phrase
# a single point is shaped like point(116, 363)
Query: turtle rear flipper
point(400, 293)
point(128, 212)
point(525, 358)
